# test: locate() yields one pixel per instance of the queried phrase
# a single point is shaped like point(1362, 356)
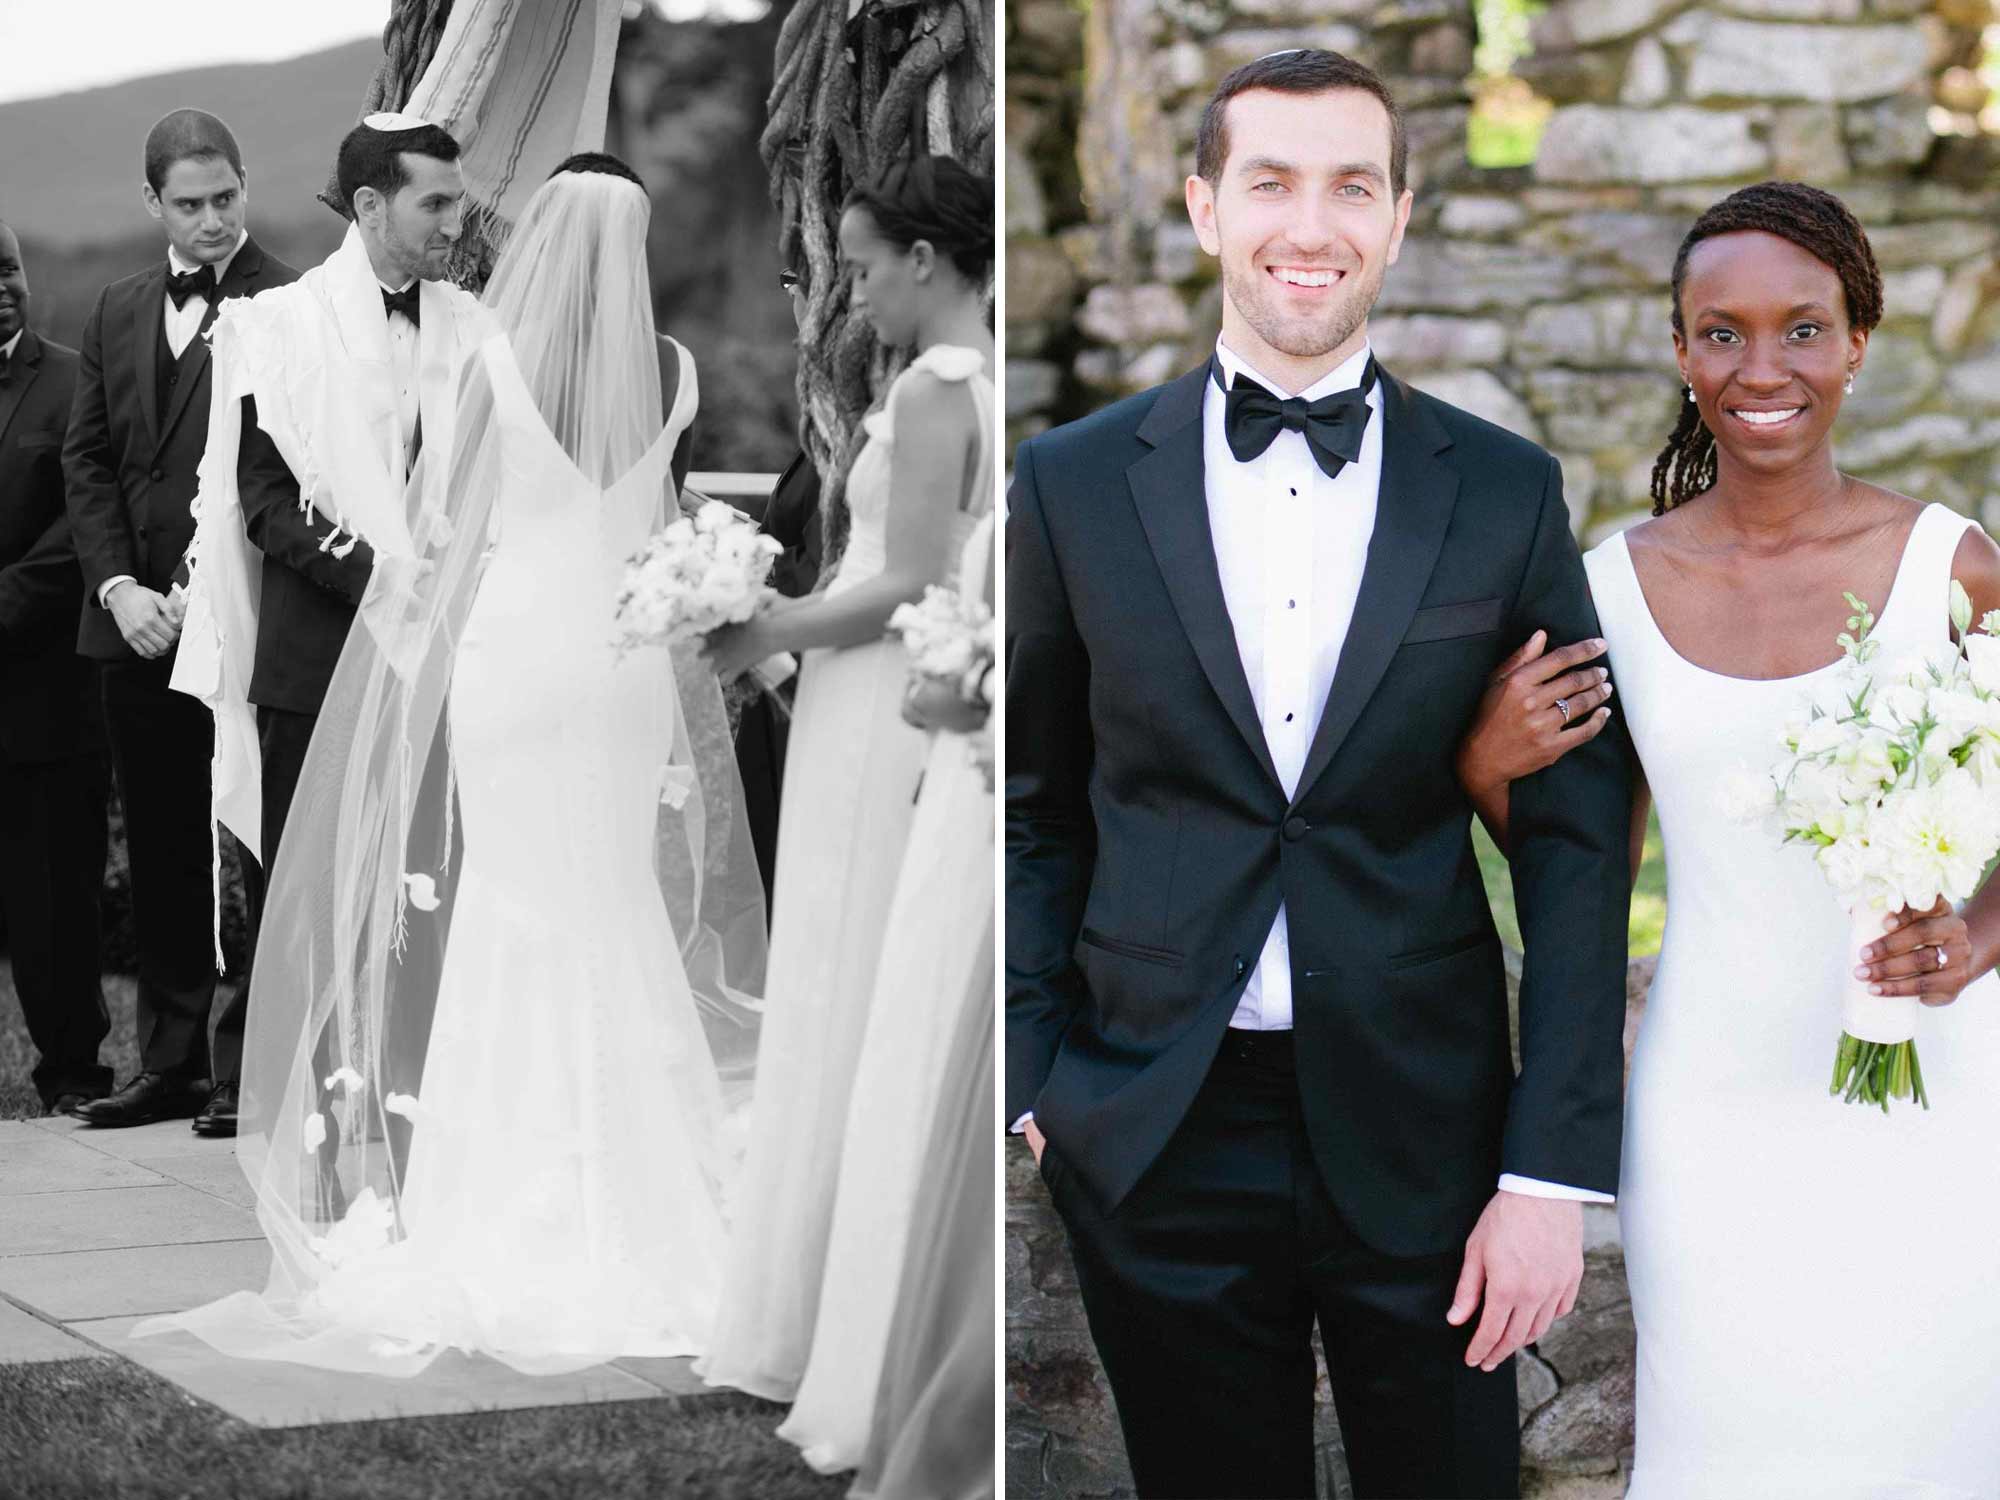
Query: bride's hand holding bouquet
point(703, 577)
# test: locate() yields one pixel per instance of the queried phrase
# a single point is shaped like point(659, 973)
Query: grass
point(1649, 896)
point(100, 1427)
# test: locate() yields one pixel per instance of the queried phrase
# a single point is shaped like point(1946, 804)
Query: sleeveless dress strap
point(1933, 545)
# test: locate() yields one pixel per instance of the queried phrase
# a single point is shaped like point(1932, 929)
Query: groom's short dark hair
point(1305, 70)
point(183, 133)
point(374, 158)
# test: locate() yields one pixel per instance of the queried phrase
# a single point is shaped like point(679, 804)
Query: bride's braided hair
point(1818, 223)
point(934, 198)
point(597, 161)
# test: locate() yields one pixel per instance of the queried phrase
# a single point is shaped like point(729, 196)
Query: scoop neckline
point(1653, 624)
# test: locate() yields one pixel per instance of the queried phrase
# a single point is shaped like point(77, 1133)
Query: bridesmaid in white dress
point(940, 928)
point(919, 245)
point(1811, 1280)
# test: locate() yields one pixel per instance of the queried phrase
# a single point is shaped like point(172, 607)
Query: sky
point(59, 48)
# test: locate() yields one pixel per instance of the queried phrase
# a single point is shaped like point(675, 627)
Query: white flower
point(423, 892)
point(1845, 863)
point(676, 782)
point(1982, 656)
point(347, 1079)
point(1938, 838)
point(314, 1135)
point(409, 1106)
point(1821, 735)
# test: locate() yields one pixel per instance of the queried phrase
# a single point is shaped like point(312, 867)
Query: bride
point(1811, 1281)
point(488, 1086)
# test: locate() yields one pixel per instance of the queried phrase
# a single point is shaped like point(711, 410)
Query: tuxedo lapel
point(1169, 490)
point(149, 319)
point(1413, 509)
point(21, 372)
point(194, 359)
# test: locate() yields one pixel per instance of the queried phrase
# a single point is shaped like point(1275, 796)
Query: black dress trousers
point(1202, 1289)
point(162, 743)
point(52, 829)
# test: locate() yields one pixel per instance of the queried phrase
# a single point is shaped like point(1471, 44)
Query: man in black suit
point(791, 515)
point(53, 776)
point(136, 436)
point(1257, 1019)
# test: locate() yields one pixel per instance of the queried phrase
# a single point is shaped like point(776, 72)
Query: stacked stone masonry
point(1535, 296)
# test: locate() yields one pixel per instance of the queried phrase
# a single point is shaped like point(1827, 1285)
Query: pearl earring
point(1850, 385)
point(1690, 393)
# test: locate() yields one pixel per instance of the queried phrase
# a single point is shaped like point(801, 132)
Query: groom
point(1257, 1023)
point(338, 377)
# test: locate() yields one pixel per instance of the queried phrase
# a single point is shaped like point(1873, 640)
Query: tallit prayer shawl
point(315, 355)
point(519, 87)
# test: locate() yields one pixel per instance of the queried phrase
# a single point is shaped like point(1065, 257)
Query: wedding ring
point(1941, 958)
point(1562, 707)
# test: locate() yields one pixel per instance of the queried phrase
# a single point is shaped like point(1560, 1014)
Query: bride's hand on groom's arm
point(1518, 729)
point(1524, 1260)
point(1924, 953)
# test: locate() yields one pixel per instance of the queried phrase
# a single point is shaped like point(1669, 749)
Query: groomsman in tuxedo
point(1257, 1019)
point(136, 437)
point(792, 516)
point(53, 775)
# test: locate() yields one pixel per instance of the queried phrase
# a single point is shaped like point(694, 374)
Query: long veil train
point(580, 1121)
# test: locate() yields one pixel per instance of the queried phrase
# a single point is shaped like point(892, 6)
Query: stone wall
point(1535, 296)
point(1062, 1430)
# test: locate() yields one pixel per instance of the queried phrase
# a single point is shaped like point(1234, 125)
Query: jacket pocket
point(1140, 951)
point(1444, 622)
point(1416, 957)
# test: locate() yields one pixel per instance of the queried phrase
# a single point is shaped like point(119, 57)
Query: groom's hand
point(1036, 1140)
point(143, 618)
point(1526, 1256)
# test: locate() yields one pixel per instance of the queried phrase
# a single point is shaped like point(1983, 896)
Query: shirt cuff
point(1020, 1126)
point(104, 589)
point(1534, 1187)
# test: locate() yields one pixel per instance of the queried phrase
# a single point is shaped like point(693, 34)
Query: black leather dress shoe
point(218, 1116)
point(149, 1097)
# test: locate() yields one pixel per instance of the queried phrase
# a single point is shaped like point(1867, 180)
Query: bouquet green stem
point(1876, 1072)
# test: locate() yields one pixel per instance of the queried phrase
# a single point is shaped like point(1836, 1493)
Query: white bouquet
point(1892, 773)
point(697, 575)
point(949, 639)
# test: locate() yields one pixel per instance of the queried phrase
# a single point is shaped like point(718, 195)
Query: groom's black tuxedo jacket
point(136, 435)
point(1150, 841)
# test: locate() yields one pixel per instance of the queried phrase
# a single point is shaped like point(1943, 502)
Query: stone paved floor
point(101, 1228)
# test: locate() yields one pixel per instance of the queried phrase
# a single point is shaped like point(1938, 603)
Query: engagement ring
point(1940, 954)
point(1562, 707)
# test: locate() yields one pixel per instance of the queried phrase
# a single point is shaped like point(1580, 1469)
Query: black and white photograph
point(498, 587)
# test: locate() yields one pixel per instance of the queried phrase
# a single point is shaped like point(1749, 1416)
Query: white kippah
point(389, 120)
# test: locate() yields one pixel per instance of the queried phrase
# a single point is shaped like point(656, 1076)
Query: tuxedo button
point(1240, 966)
point(1295, 829)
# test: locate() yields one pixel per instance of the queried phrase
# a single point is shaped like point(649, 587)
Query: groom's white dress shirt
point(1290, 545)
point(403, 351)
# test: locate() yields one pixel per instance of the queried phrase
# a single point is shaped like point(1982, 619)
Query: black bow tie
point(1253, 417)
point(404, 302)
point(200, 282)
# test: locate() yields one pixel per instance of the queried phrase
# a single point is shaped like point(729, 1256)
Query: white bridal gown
point(852, 770)
point(562, 1204)
point(1813, 1281)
